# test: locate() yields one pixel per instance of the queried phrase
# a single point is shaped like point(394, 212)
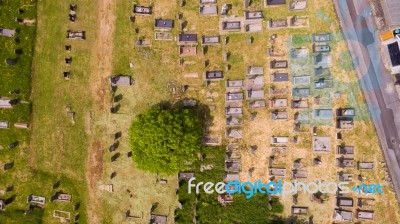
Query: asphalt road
point(359, 31)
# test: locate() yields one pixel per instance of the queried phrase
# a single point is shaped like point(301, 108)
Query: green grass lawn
point(16, 77)
point(56, 151)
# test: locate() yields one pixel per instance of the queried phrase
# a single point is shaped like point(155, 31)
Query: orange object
point(387, 35)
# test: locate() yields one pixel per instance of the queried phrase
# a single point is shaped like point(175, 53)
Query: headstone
point(8, 166)
point(76, 206)
point(226, 40)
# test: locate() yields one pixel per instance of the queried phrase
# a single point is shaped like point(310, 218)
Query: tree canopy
point(162, 140)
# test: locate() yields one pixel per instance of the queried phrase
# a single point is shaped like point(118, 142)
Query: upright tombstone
point(10, 61)
point(250, 40)
point(8, 166)
point(225, 56)
point(247, 3)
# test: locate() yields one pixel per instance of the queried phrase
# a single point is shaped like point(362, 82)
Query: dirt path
point(101, 68)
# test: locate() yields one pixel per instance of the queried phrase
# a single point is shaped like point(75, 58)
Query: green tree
point(162, 140)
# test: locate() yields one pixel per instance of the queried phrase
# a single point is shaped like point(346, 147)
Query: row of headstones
point(115, 155)
point(68, 60)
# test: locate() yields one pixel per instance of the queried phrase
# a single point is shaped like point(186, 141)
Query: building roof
point(187, 37)
point(164, 23)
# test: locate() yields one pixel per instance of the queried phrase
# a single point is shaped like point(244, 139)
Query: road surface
point(359, 31)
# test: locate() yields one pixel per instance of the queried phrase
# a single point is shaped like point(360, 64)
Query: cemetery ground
point(54, 159)
point(157, 71)
point(76, 155)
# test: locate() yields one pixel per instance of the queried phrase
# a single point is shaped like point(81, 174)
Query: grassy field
point(16, 77)
point(57, 151)
point(75, 154)
point(155, 67)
